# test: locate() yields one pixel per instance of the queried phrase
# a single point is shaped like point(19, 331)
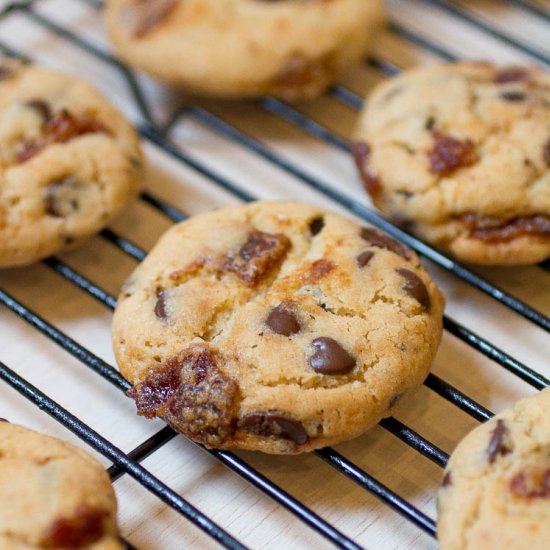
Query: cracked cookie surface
point(69, 161)
point(275, 326)
point(496, 489)
point(54, 495)
point(460, 154)
point(243, 48)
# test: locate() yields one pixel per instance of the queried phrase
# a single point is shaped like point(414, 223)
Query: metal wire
point(130, 463)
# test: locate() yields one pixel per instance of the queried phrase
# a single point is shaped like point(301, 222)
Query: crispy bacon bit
point(60, 128)
point(361, 155)
point(449, 154)
point(261, 253)
point(512, 74)
point(532, 482)
point(317, 270)
point(495, 230)
point(84, 528)
point(299, 71)
point(192, 394)
point(498, 446)
point(274, 424)
point(144, 15)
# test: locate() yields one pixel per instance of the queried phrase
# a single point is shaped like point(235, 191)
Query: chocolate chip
point(546, 152)
point(144, 15)
point(160, 306)
point(274, 424)
point(261, 253)
point(41, 107)
point(383, 241)
point(4, 420)
point(364, 258)
point(415, 288)
point(316, 225)
point(63, 197)
point(430, 123)
point(497, 445)
point(512, 74)
point(80, 530)
point(361, 155)
point(329, 357)
point(449, 154)
point(282, 321)
point(513, 96)
point(447, 479)
point(533, 482)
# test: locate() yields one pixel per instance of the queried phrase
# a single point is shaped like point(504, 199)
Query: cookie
point(496, 489)
point(460, 154)
point(275, 326)
point(69, 161)
point(53, 495)
point(243, 48)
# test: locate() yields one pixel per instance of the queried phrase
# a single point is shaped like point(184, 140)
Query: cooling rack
point(377, 491)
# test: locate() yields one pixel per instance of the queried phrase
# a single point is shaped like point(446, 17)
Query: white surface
point(248, 514)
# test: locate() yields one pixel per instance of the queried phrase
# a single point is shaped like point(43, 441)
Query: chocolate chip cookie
point(496, 488)
point(460, 154)
point(69, 161)
point(243, 48)
point(275, 326)
point(53, 495)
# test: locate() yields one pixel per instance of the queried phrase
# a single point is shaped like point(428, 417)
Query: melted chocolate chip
point(415, 288)
point(144, 15)
point(361, 155)
point(192, 394)
point(447, 479)
point(364, 258)
point(274, 424)
point(316, 225)
point(329, 357)
point(383, 241)
point(497, 446)
point(282, 321)
point(84, 528)
point(160, 306)
point(449, 154)
point(531, 483)
point(41, 107)
point(259, 255)
point(512, 74)
point(4, 420)
point(63, 197)
point(513, 96)
point(546, 152)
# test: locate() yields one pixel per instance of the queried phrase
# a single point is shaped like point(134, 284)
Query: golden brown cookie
point(243, 48)
point(496, 489)
point(69, 161)
point(275, 326)
point(460, 153)
point(54, 495)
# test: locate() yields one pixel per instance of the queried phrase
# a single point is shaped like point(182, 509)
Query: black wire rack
point(160, 134)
